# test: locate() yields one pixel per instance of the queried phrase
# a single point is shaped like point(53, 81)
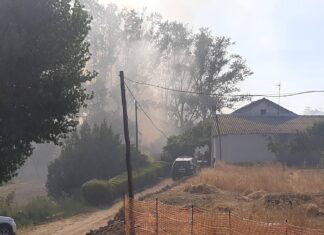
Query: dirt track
point(81, 224)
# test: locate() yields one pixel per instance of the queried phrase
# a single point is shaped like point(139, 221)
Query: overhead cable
point(232, 95)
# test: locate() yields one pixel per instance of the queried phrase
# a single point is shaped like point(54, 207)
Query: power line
point(145, 113)
point(233, 95)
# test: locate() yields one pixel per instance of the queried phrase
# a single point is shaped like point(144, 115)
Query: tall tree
point(198, 63)
point(43, 54)
point(215, 71)
point(174, 41)
point(104, 38)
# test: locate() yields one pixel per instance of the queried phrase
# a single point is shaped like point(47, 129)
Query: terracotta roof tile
point(231, 124)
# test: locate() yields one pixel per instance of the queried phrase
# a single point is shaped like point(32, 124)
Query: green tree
point(43, 54)
point(215, 71)
point(91, 153)
point(304, 147)
point(186, 143)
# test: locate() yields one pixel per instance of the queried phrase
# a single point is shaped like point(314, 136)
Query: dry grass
point(268, 178)
point(24, 191)
point(266, 193)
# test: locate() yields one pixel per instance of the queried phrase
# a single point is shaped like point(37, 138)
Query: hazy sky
point(280, 39)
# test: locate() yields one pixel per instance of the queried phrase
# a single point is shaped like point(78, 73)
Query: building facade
point(243, 136)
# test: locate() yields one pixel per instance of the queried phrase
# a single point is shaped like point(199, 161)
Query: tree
point(105, 46)
point(174, 41)
point(199, 63)
point(187, 142)
point(304, 147)
point(43, 54)
point(215, 71)
point(91, 153)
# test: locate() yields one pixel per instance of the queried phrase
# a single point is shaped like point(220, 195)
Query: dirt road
point(81, 224)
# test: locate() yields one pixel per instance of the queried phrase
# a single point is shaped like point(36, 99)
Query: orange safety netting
point(156, 218)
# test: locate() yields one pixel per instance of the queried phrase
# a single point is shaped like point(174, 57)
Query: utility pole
point(216, 126)
point(219, 137)
point(136, 126)
point(126, 134)
point(128, 159)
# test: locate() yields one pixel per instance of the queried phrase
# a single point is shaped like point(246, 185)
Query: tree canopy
point(165, 53)
point(43, 54)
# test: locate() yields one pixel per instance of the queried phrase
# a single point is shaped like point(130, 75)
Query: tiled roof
point(231, 124)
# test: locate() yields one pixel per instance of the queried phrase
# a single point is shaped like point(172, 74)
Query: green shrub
point(36, 211)
point(42, 209)
point(96, 192)
point(90, 153)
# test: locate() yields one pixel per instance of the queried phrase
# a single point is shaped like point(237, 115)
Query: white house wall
point(242, 148)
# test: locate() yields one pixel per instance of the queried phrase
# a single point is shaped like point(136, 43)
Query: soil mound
point(286, 199)
point(256, 195)
point(200, 188)
point(313, 210)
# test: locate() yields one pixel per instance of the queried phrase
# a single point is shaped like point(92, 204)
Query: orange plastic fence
point(156, 218)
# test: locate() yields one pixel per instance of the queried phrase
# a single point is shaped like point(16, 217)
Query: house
point(243, 136)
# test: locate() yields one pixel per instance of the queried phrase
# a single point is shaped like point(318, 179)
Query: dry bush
point(270, 178)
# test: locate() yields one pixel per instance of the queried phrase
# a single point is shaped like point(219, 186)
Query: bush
point(90, 153)
point(36, 211)
point(96, 192)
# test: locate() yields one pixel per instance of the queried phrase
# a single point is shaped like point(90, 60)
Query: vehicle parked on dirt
point(7, 226)
point(183, 166)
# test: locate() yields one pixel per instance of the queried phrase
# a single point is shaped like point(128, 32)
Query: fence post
point(157, 216)
point(286, 227)
point(230, 222)
point(192, 219)
point(124, 206)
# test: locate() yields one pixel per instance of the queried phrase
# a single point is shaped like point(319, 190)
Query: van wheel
point(5, 229)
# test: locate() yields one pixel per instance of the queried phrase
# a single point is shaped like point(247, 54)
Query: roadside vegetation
point(89, 172)
point(40, 209)
point(93, 152)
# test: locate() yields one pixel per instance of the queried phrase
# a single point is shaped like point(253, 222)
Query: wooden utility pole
point(126, 134)
point(219, 137)
point(136, 126)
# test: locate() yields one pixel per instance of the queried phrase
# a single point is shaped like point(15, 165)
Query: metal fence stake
point(230, 222)
point(192, 219)
point(157, 216)
point(124, 206)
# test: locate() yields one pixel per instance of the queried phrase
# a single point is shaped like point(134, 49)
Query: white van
point(7, 226)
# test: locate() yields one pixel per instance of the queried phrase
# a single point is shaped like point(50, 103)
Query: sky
point(281, 40)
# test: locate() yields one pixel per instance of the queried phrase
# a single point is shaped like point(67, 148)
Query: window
point(263, 111)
